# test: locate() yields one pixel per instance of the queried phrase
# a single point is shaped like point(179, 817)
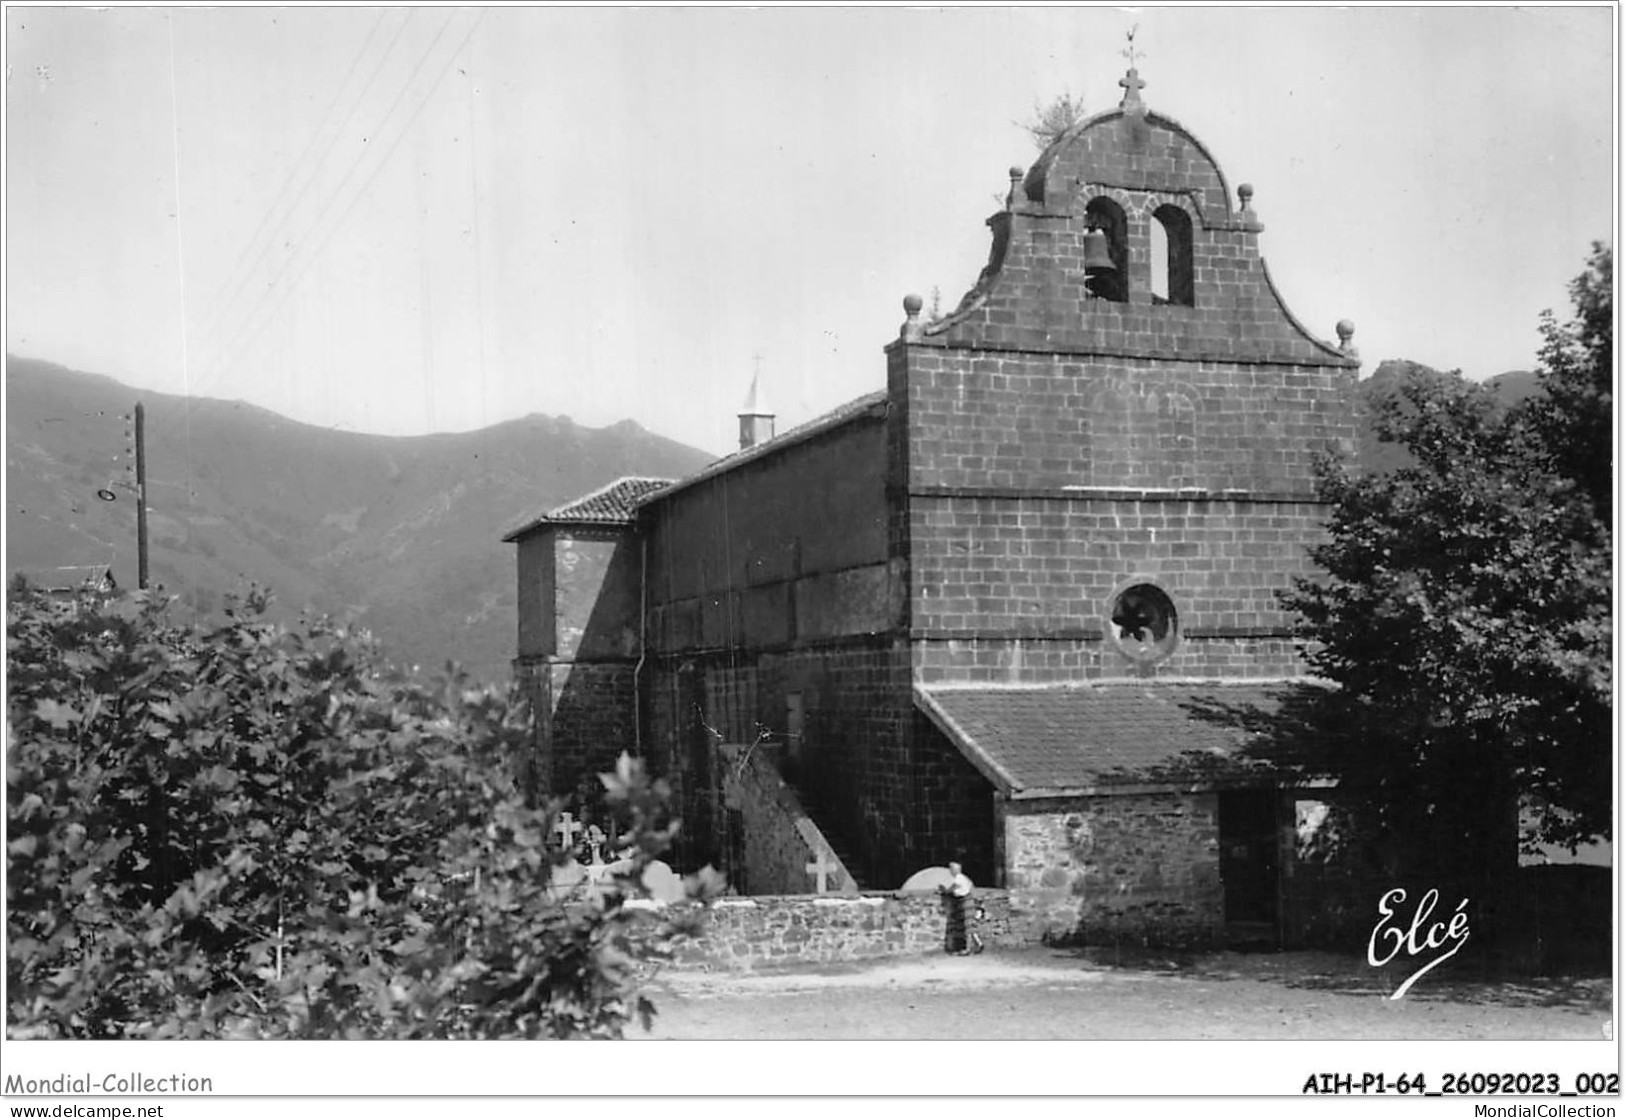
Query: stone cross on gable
point(821, 868)
point(1132, 83)
point(567, 829)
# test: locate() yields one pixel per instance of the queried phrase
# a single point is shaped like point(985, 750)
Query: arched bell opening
point(1105, 250)
point(1173, 277)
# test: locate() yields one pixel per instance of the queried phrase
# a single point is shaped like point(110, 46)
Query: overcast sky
point(404, 220)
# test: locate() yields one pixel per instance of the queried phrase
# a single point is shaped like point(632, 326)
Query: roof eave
point(867, 407)
point(1001, 778)
point(1127, 789)
point(566, 523)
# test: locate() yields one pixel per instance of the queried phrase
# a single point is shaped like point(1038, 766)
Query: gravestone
point(662, 883)
point(566, 877)
point(821, 868)
point(595, 842)
point(929, 880)
point(566, 828)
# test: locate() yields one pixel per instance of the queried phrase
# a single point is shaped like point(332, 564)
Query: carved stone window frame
point(1165, 606)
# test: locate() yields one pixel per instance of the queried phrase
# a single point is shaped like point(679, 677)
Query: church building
point(1017, 606)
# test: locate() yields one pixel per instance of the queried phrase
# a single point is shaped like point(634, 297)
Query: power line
point(479, 269)
point(243, 273)
point(219, 323)
point(218, 315)
point(251, 330)
point(186, 370)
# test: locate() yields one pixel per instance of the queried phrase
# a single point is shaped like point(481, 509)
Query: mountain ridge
point(400, 533)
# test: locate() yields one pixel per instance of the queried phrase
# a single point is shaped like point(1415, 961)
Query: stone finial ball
point(1345, 329)
point(1016, 173)
point(912, 304)
point(1245, 191)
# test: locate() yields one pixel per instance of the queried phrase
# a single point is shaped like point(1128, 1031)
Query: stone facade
point(1104, 869)
point(1061, 444)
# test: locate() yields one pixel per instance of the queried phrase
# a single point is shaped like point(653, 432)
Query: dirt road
point(1056, 994)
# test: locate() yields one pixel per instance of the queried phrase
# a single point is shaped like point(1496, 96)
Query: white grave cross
point(567, 828)
point(821, 868)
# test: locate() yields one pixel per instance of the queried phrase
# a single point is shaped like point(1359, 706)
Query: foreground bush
point(257, 832)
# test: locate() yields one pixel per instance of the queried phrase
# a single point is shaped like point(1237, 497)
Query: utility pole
point(141, 495)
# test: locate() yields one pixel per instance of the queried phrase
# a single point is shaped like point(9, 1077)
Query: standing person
point(957, 893)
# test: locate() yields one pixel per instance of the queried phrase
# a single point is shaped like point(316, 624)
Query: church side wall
point(593, 722)
point(772, 600)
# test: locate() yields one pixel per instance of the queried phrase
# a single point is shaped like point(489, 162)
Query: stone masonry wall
point(745, 933)
point(1020, 589)
point(597, 594)
point(1065, 421)
point(593, 721)
point(953, 807)
point(777, 839)
point(1041, 484)
point(771, 581)
point(536, 595)
point(584, 719)
point(579, 634)
point(1107, 870)
point(856, 712)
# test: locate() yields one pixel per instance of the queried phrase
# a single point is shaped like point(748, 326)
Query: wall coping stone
point(1113, 494)
point(1333, 360)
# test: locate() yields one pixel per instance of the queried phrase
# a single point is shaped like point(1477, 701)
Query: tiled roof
point(1044, 741)
point(851, 410)
point(615, 504)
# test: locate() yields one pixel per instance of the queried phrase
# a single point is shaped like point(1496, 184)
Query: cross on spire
point(1131, 82)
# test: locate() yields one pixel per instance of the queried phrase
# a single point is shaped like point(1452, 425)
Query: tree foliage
point(1049, 121)
point(1465, 607)
point(262, 832)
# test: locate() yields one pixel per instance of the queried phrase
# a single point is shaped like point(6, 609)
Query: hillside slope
point(1376, 456)
point(402, 533)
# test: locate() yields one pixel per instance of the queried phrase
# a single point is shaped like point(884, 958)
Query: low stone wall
point(766, 930)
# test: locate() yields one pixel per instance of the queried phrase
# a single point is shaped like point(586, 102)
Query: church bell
point(1097, 253)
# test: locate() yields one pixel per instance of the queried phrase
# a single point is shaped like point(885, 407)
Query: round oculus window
point(1143, 622)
